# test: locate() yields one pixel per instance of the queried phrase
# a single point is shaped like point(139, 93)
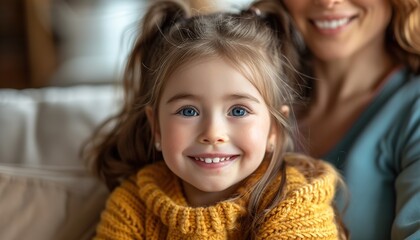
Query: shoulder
point(125, 213)
point(127, 194)
point(309, 182)
point(406, 84)
point(309, 176)
point(125, 198)
point(307, 208)
point(121, 214)
point(412, 84)
point(404, 133)
point(411, 93)
point(413, 78)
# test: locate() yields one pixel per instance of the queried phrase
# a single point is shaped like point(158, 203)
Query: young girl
point(199, 148)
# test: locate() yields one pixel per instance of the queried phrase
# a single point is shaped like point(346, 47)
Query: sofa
point(46, 189)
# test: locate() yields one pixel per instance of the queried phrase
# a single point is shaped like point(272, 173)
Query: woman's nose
point(214, 131)
point(327, 3)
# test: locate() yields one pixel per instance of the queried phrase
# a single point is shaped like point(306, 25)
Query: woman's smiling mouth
point(331, 24)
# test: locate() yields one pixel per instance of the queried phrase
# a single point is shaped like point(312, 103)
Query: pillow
point(46, 190)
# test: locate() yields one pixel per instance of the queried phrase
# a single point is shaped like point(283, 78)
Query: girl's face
point(336, 29)
point(214, 126)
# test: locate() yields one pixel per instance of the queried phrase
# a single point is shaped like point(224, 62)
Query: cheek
point(293, 6)
point(297, 10)
point(252, 136)
point(175, 136)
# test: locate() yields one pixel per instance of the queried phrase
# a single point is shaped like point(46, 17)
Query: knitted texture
point(151, 205)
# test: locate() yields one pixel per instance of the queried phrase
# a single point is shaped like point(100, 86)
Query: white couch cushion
point(46, 190)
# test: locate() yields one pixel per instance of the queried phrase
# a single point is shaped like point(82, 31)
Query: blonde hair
point(404, 32)
point(256, 41)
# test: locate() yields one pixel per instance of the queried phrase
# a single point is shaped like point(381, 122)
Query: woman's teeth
point(331, 24)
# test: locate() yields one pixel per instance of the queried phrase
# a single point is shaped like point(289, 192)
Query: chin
point(331, 57)
point(212, 189)
point(334, 54)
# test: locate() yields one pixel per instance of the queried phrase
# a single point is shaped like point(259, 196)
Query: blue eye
point(188, 112)
point(238, 112)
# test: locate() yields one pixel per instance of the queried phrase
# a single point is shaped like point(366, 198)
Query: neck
point(360, 74)
point(198, 198)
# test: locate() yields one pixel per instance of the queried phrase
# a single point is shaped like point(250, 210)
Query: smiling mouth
point(332, 24)
point(211, 160)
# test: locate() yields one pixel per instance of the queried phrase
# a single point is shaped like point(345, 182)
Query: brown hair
point(256, 41)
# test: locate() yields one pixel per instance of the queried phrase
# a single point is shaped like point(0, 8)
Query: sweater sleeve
point(122, 218)
point(407, 185)
point(305, 213)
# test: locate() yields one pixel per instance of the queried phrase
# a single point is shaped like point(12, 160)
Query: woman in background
point(363, 108)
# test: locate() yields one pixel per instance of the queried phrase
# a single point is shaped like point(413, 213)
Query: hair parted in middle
point(259, 42)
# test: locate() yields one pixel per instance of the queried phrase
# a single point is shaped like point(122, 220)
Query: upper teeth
point(331, 24)
point(212, 160)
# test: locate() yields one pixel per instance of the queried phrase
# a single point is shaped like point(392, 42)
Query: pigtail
point(290, 49)
point(273, 12)
point(160, 17)
point(297, 58)
point(124, 143)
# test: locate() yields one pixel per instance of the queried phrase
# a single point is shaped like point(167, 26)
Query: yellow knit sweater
point(151, 205)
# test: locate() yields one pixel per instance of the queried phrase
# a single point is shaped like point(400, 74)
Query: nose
point(213, 132)
point(327, 3)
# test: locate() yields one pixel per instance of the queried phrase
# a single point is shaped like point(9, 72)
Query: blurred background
point(67, 42)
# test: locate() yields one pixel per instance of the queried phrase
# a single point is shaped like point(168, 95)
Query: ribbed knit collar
point(161, 191)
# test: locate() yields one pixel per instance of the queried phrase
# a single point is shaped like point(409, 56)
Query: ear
point(151, 118)
point(272, 136)
point(285, 110)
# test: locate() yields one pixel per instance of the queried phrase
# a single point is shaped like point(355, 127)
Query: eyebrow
point(181, 96)
point(236, 96)
point(245, 96)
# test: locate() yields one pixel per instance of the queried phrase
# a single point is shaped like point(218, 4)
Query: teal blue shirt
point(380, 161)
